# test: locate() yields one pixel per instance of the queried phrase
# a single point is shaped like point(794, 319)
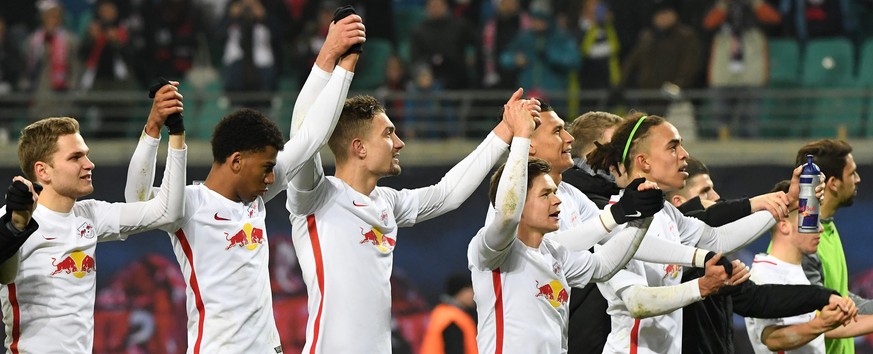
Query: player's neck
point(218, 182)
point(56, 202)
point(829, 206)
point(529, 236)
point(786, 253)
point(357, 177)
point(556, 176)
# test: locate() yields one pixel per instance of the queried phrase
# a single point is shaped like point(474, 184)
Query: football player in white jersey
point(803, 333)
point(16, 225)
point(643, 299)
point(221, 242)
point(49, 307)
point(345, 226)
point(521, 280)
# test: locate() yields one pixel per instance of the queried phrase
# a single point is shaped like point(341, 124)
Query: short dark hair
point(608, 155)
point(535, 168)
point(695, 167)
point(589, 127)
point(245, 130)
point(357, 115)
point(828, 154)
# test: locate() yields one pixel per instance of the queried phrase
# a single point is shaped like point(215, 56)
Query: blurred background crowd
point(690, 58)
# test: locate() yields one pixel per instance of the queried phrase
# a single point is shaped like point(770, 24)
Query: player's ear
point(40, 170)
point(832, 183)
point(358, 148)
point(235, 161)
point(677, 200)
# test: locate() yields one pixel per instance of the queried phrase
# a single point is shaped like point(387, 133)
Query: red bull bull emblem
point(77, 263)
point(383, 243)
point(253, 209)
point(86, 230)
point(672, 271)
point(249, 237)
point(554, 292)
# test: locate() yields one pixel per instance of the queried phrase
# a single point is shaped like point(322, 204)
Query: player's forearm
point(658, 250)
point(643, 301)
point(863, 326)
point(461, 181)
point(615, 253)
point(779, 338)
point(737, 234)
point(582, 237)
point(312, 87)
point(169, 205)
point(314, 133)
point(510, 198)
point(141, 171)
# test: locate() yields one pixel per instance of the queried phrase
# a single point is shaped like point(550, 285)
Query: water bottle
point(808, 208)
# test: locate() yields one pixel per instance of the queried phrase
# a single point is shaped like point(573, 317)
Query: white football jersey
point(767, 269)
point(522, 294)
point(223, 250)
point(346, 251)
point(50, 306)
point(658, 334)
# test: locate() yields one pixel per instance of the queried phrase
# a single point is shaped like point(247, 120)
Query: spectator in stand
point(452, 325)
point(171, 39)
point(249, 57)
point(593, 28)
point(11, 62)
point(666, 54)
point(313, 30)
point(426, 116)
point(52, 64)
point(497, 33)
point(543, 55)
point(738, 61)
point(807, 19)
point(396, 82)
point(106, 52)
point(442, 42)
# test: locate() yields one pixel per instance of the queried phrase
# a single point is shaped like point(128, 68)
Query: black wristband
point(174, 123)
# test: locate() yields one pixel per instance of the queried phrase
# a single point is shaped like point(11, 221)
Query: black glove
point(635, 204)
point(175, 124)
point(723, 261)
point(341, 13)
point(18, 196)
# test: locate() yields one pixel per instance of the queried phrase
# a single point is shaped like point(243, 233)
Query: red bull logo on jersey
point(376, 238)
point(554, 292)
point(672, 271)
point(77, 263)
point(85, 230)
point(249, 237)
point(253, 209)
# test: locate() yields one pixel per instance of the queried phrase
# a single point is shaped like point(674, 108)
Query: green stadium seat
point(784, 62)
point(407, 20)
point(370, 71)
point(828, 63)
point(865, 64)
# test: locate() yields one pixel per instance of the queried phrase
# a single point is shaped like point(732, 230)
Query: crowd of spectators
point(55, 46)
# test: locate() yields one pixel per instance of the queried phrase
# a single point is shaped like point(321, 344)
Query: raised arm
point(169, 205)
point(457, 185)
point(318, 107)
point(737, 234)
point(141, 171)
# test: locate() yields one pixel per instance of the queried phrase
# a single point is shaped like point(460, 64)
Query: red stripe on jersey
point(768, 262)
point(195, 287)
point(319, 273)
point(635, 337)
point(498, 309)
point(16, 318)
